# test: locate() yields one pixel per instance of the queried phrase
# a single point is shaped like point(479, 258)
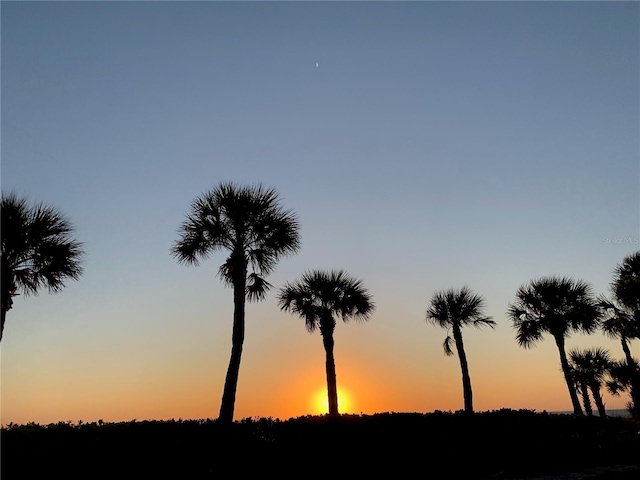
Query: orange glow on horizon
point(319, 402)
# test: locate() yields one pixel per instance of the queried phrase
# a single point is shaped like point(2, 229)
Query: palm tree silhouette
point(590, 368)
point(250, 223)
point(623, 377)
point(454, 309)
point(622, 318)
point(319, 297)
point(558, 306)
point(619, 322)
point(38, 250)
point(626, 283)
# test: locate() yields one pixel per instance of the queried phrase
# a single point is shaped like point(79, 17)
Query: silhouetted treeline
point(497, 444)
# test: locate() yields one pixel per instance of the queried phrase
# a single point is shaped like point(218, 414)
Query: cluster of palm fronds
point(593, 368)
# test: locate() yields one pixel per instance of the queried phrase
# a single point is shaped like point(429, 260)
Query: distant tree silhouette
point(38, 250)
point(558, 306)
point(452, 310)
point(250, 223)
point(590, 368)
point(319, 297)
point(622, 318)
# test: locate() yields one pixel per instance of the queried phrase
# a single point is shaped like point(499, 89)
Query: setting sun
point(320, 401)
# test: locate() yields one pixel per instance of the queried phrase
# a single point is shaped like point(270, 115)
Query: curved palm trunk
point(464, 366)
point(231, 382)
point(626, 350)
point(566, 369)
point(597, 397)
point(634, 391)
point(330, 365)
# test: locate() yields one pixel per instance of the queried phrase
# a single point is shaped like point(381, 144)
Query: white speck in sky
point(317, 64)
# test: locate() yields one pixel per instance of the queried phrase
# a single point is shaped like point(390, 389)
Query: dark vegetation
point(496, 444)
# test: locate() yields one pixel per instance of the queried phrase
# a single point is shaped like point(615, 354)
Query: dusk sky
point(423, 146)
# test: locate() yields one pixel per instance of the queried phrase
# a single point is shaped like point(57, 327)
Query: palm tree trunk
point(3, 312)
point(586, 401)
point(231, 382)
point(597, 397)
point(332, 384)
point(5, 298)
point(626, 350)
point(566, 369)
point(635, 378)
point(464, 366)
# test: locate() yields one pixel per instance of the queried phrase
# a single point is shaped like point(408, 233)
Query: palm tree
point(454, 309)
point(250, 223)
point(622, 315)
point(38, 250)
point(558, 306)
point(619, 322)
point(590, 368)
point(624, 376)
point(319, 297)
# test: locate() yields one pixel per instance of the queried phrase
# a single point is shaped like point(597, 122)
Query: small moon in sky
point(317, 64)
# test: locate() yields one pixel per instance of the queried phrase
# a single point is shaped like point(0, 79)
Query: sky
point(422, 145)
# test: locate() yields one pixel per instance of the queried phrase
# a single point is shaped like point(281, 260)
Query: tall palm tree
point(558, 306)
point(454, 309)
point(319, 297)
point(622, 316)
point(38, 250)
point(590, 368)
point(250, 223)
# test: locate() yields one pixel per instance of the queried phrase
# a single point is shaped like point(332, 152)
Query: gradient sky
point(436, 145)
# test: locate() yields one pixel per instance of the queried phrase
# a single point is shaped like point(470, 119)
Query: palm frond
point(457, 308)
point(249, 222)
point(626, 282)
point(555, 305)
point(38, 247)
point(320, 296)
point(257, 287)
point(448, 351)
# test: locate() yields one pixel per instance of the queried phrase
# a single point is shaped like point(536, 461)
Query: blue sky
point(435, 145)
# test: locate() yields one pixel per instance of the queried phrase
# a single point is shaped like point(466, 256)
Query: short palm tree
point(590, 368)
point(38, 250)
point(319, 297)
point(558, 306)
point(625, 377)
point(252, 226)
point(454, 309)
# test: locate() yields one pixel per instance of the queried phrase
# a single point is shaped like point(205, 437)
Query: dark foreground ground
point(491, 445)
